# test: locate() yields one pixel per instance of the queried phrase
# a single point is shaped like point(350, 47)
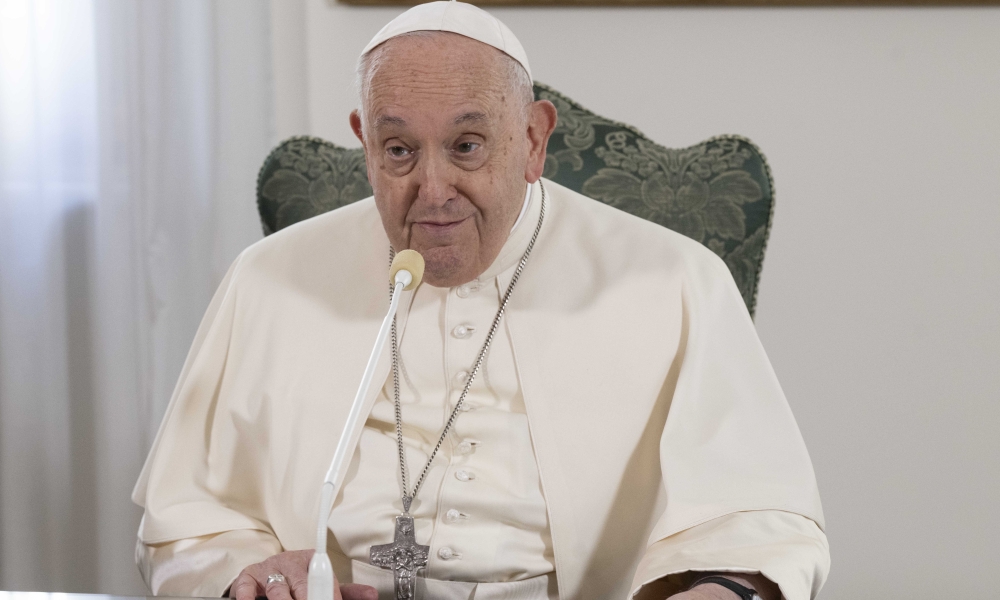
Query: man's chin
point(447, 266)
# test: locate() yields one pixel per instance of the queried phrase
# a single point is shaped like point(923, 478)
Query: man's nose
point(436, 179)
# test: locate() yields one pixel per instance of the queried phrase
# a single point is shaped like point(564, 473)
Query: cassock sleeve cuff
point(787, 548)
point(203, 566)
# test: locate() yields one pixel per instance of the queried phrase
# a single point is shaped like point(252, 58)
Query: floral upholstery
point(718, 192)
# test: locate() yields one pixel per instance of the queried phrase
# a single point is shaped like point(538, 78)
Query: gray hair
point(517, 77)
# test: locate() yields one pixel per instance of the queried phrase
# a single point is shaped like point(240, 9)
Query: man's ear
point(542, 117)
point(358, 130)
point(356, 126)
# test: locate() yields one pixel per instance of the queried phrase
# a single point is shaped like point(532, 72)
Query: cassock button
point(452, 515)
point(465, 289)
point(465, 447)
point(461, 376)
point(462, 331)
point(463, 475)
point(447, 553)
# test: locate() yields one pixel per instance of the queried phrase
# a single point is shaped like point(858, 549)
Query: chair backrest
point(719, 192)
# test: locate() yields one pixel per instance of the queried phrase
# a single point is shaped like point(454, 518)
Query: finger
point(278, 590)
point(299, 585)
point(356, 591)
point(244, 588)
point(295, 567)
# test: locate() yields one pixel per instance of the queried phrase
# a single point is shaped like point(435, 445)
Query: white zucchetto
point(455, 17)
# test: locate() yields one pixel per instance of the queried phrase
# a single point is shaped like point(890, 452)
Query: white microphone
point(405, 274)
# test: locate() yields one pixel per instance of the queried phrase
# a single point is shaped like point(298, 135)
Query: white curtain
point(131, 132)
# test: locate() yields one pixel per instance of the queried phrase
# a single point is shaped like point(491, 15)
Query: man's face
point(448, 147)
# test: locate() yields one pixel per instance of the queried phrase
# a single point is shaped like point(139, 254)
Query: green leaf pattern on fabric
point(305, 177)
point(718, 192)
point(693, 191)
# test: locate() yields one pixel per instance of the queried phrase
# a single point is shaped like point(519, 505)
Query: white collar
point(524, 206)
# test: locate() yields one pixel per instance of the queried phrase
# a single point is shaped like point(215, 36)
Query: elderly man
point(574, 404)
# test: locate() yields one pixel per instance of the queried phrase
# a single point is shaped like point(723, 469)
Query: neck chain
point(408, 497)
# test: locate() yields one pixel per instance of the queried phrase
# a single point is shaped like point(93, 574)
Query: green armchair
point(718, 192)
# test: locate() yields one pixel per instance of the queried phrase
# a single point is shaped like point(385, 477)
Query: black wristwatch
point(742, 591)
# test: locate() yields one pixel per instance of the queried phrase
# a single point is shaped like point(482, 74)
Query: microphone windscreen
point(408, 260)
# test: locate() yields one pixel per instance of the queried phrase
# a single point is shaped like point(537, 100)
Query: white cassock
point(627, 426)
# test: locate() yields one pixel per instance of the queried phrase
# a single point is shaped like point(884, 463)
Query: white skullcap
point(456, 17)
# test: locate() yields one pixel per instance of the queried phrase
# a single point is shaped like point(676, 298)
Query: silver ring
point(275, 578)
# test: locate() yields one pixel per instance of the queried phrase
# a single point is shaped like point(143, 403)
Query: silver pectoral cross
point(404, 556)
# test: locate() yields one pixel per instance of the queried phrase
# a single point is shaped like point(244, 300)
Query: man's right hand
point(294, 565)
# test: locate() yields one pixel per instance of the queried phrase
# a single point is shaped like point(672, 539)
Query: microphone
point(405, 274)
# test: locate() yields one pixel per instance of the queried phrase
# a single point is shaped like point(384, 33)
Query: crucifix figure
point(404, 556)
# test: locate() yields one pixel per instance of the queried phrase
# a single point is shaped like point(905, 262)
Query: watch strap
point(742, 591)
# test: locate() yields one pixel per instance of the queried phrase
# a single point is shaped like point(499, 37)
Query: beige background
point(878, 303)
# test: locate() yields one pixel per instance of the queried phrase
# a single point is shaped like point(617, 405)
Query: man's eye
point(467, 147)
point(397, 151)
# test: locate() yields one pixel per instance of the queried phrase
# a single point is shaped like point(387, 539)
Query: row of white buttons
point(461, 332)
point(451, 516)
point(460, 378)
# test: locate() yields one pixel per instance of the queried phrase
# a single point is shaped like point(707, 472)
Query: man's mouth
point(439, 227)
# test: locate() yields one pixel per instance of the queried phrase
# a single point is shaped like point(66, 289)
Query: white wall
point(878, 303)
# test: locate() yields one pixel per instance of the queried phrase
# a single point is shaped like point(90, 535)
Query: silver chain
point(408, 498)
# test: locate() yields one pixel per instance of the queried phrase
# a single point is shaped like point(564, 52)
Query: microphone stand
point(320, 569)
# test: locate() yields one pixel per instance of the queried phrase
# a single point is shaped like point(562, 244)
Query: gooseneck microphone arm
point(406, 272)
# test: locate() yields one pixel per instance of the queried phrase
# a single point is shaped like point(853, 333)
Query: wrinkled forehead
point(437, 71)
point(435, 54)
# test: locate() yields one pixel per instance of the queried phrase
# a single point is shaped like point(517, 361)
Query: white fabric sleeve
point(187, 491)
point(203, 566)
point(788, 549)
point(730, 442)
